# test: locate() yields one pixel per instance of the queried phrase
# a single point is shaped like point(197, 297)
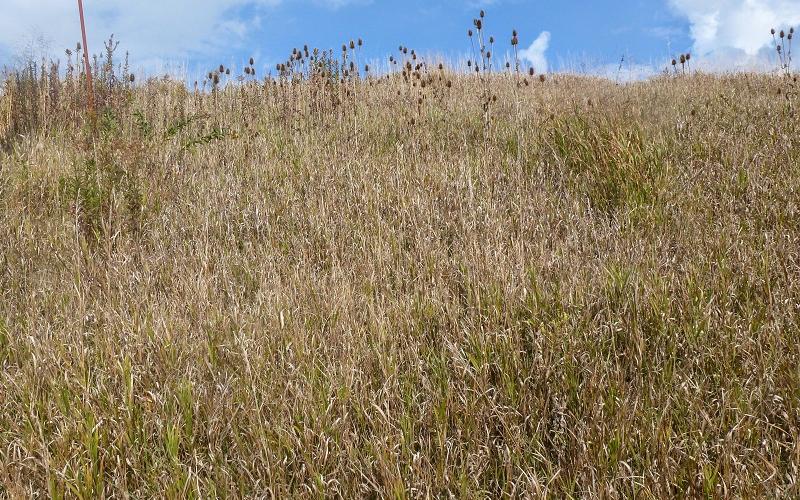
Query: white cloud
point(736, 25)
point(536, 53)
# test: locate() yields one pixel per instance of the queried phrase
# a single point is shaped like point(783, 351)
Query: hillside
point(479, 286)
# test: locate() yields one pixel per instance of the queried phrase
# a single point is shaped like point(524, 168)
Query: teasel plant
point(484, 70)
point(517, 84)
point(783, 46)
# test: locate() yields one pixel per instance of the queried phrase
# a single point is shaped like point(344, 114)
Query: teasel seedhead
point(782, 34)
point(491, 39)
point(469, 33)
point(360, 42)
point(252, 61)
point(352, 44)
point(483, 14)
point(247, 70)
point(531, 71)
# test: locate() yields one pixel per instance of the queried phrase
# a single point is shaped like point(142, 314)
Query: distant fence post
point(89, 87)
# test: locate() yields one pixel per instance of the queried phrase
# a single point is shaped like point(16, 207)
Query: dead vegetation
point(416, 284)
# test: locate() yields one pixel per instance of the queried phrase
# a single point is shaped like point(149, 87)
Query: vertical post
point(89, 87)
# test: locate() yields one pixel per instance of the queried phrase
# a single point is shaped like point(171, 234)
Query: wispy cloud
point(150, 29)
point(536, 53)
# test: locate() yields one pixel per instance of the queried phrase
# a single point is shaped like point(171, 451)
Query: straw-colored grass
point(363, 289)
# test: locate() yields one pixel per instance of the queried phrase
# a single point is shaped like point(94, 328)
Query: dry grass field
point(483, 286)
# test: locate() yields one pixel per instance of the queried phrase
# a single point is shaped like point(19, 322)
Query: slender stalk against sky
point(89, 88)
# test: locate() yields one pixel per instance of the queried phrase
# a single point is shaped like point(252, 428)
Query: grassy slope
point(599, 294)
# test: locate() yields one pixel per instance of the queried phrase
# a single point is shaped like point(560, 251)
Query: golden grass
point(335, 289)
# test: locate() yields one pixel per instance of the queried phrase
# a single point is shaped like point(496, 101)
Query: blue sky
point(583, 35)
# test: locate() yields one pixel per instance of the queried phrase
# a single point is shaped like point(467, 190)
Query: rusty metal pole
point(89, 87)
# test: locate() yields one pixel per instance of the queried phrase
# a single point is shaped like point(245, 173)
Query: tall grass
point(366, 286)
